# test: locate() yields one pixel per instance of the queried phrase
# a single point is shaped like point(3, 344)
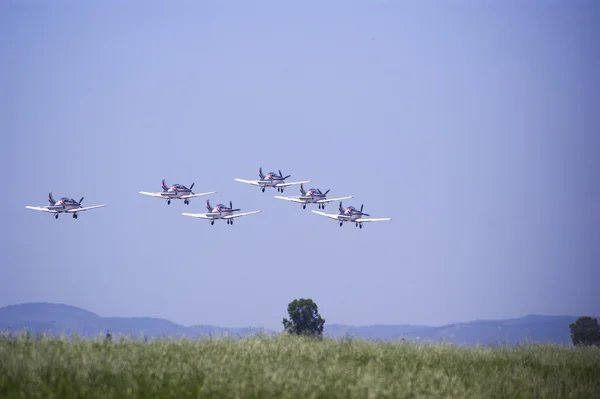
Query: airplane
point(271, 180)
point(63, 205)
point(220, 212)
point(312, 196)
point(350, 214)
point(176, 191)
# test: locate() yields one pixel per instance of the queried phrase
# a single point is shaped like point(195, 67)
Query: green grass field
point(290, 367)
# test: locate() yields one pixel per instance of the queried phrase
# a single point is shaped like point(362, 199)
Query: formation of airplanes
point(348, 214)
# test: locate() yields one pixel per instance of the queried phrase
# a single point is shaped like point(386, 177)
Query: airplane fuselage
point(61, 206)
point(219, 215)
point(349, 215)
point(175, 193)
point(273, 182)
point(312, 198)
point(64, 205)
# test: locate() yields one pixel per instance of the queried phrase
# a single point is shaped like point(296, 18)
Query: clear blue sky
point(475, 126)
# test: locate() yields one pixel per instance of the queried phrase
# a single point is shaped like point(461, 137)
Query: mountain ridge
point(63, 318)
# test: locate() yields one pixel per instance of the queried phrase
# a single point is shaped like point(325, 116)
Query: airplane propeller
point(231, 207)
point(361, 211)
point(325, 193)
point(281, 175)
point(191, 188)
point(81, 200)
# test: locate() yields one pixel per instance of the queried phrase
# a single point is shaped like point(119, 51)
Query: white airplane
point(351, 214)
point(63, 205)
point(312, 196)
point(219, 212)
point(176, 191)
point(271, 180)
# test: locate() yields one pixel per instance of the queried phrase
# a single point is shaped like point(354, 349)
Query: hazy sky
point(475, 125)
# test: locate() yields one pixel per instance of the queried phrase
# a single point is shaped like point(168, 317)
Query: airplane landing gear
point(168, 202)
point(360, 226)
point(304, 206)
point(212, 222)
point(341, 223)
point(263, 189)
point(74, 216)
point(56, 216)
point(230, 221)
point(187, 202)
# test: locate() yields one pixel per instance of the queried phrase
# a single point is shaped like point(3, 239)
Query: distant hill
point(57, 318)
point(532, 328)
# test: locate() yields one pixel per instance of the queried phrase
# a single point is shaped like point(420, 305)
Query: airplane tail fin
point(51, 199)
point(210, 208)
point(164, 185)
point(260, 173)
point(302, 190)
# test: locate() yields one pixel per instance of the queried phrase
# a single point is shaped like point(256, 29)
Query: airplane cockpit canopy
point(181, 186)
point(68, 199)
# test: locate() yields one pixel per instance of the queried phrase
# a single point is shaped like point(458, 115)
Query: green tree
point(585, 331)
point(304, 318)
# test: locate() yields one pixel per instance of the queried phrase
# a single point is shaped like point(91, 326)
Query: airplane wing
point(332, 200)
point(253, 182)
point(40, 208)
point(240, 214)
point(361, 220)
point(157, 195)
point(197, 215)
point(291, 184)
point(326, 214)
point(196, 195)
point(291, 199)
point(87, 208)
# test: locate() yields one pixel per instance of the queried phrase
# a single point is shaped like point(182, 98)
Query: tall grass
point(290, 367)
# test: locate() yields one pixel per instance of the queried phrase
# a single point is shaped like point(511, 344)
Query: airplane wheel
point(186, 202)
point(56, 216)
point(263, 189)
point(169, 202)
point(341, 223)
point(212, 222)
point(360, 225)
point(303, 206)
point(74, 216)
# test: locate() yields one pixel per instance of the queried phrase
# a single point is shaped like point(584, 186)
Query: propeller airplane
point(312, 196)
point(63, 205)
point(220, 211)
point(176, 191)
point(352, 215)
point(272, 179)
